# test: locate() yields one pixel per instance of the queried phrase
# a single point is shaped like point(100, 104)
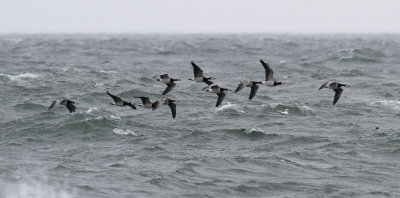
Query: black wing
point(221, 97)
point(145, 100)
point(130, 104)
point(115, 98)
point(325, 85)
point(173, 108)
point(53, 104)
point(70, 107)
point(338, 93)
point(241, 86)
point(196, 70)
point(169, 88)
point(208, 82)
point(155, 105)
point(253, 91)
point(269, 74)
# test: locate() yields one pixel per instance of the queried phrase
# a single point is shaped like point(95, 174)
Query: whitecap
point(108, 72)
point(388, 103)
point(254, 130)
point(99, 84)
point(120, 131)
point(35, 188)
point(115, 117)
point(91, 109)
point(229, 105)
point(21, 76)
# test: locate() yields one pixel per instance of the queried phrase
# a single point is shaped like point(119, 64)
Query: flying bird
point(220, 92)
point(169, 102)
point(121, 103)
point(269, 81)
point(198, 75)
point(269, 76)
point(336, 87)
point(68, 103)
point(164, 78)
point(146, 102)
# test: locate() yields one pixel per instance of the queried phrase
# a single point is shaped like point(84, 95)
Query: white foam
point(229, 105)
point(256, 130)
point(99, 84)
point(91, 109)
point(108, 72)
point(21, 76)
point(115, 117)
point(37, 189)
point(388, 103)
point(120, 131)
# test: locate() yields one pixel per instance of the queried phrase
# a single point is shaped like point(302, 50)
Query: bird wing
point(70, 107)
point(115, 98)
point(221, 97)
point(253, 91)
point(55, 103)
point(145, 100)
point(269, 73)
point(209, 82)
point(241, 86)
point(338, 93)
point(325, 85)
point(196, 70)
point(173, 108)
point(169, 88)
point(130, 104)
point(156, 104)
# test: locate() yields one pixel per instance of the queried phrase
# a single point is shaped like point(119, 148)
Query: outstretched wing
point(130, 104)
point(145, 100)
point(115, 98)
point(338, 93)
point(221, 97)
point(169, 88)
point(173, 108)
point(70, 107)
point(55, 103)
point(208, 82)
point(269, 73)
point(253, 91)
point(156, 104)
point(196, 70)
point(241, 86)
point(325, 85)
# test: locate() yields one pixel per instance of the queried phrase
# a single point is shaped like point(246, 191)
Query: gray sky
point(199, 16)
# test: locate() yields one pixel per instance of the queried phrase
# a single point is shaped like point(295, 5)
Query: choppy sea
point(241, 149)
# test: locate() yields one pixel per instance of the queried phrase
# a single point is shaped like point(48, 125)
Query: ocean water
point(241, 149)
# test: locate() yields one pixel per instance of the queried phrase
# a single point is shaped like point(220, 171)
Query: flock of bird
point(211, 87)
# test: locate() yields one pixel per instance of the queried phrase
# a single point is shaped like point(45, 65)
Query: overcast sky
point(200, 16)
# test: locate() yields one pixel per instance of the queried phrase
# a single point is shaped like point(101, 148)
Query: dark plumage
point(168, 81)
point(169, 102)
point(119, 102)
point(220, 92)
point(336, 87)
point(198, 75)
point(68, 103)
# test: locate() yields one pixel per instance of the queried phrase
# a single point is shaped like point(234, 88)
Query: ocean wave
point(108, 72)
point(21, 76)
point(282, 108)
point(38, 188)
point(357, 59)
point(120, 131)
point(394, 104)
point(230, 108)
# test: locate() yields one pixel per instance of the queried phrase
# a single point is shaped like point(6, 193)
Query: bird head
point(191, 79)
point(347, 85)
point(133, 103)
point(228, 89)
point(75, 103)
point(212, 78)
